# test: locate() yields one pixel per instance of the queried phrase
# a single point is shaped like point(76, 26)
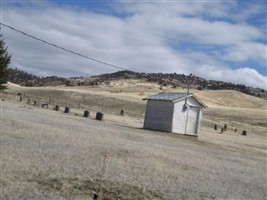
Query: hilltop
point(23, 78)
point(173, 80)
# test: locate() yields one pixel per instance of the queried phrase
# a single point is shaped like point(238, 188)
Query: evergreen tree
point(4, 62)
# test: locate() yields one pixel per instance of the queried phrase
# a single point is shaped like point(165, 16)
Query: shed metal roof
point(168, 96)
point(173, 97)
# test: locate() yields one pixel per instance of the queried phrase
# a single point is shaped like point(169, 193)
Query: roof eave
point(178, 99)
point(201, 102)
point(184, 97)
point(192, 95)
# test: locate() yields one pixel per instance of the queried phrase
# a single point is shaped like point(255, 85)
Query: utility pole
point(185, 103)
point(188, 88)
point(188, 83)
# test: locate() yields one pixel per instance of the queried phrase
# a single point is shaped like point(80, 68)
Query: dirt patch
point(70, 187)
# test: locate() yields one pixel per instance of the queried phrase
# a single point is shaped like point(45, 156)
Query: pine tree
point(4, 62)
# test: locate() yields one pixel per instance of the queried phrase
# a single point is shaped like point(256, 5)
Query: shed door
point(192, 120)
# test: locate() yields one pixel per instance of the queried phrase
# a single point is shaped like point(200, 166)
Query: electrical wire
point(62, 48)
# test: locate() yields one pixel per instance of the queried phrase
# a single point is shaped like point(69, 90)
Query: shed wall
point(193, 102)
point(179, 118)
point(159, 115)
point(199, 119)
point(192, 120)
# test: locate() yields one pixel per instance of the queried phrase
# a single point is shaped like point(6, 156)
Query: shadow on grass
point(110, 190)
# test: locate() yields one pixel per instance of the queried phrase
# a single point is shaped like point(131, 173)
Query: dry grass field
point(51, 155)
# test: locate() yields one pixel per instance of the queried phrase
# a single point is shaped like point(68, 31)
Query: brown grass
point(51, 155)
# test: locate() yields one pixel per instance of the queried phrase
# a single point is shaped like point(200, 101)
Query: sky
point(216, 40)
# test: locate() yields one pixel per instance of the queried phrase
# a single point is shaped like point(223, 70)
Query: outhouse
point(174, 112)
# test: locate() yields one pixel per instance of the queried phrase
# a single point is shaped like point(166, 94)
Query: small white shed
point(174, 112)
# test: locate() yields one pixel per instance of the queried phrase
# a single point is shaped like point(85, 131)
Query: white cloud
point(247, 51)
point(143, 41)
point(243, 75)
point(175, 8)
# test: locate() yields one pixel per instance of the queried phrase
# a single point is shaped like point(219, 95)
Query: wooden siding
point(159, 115)
point(193, 102)
point(199, 120)
point(192, 120)
point(179, 124)
point(179, 118)
point(170, 117)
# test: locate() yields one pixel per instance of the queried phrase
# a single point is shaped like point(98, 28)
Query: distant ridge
point(181, 80)
point(23, 78)
point(169, 79)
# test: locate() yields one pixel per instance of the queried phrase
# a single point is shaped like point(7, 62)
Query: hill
point(26, 79)
point(225, 106)
point(174, 80)
point(231, 98)
point(180, 80)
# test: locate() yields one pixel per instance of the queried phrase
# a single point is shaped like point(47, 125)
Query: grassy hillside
point(230, 98)
point(239, 110)
point(172, 80)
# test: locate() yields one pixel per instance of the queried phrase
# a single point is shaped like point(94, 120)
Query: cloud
point(181, 8)
point(147, 38)
point(247, 51)
point(243, 75)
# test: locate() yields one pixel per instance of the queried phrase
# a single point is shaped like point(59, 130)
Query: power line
point(62, 48)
